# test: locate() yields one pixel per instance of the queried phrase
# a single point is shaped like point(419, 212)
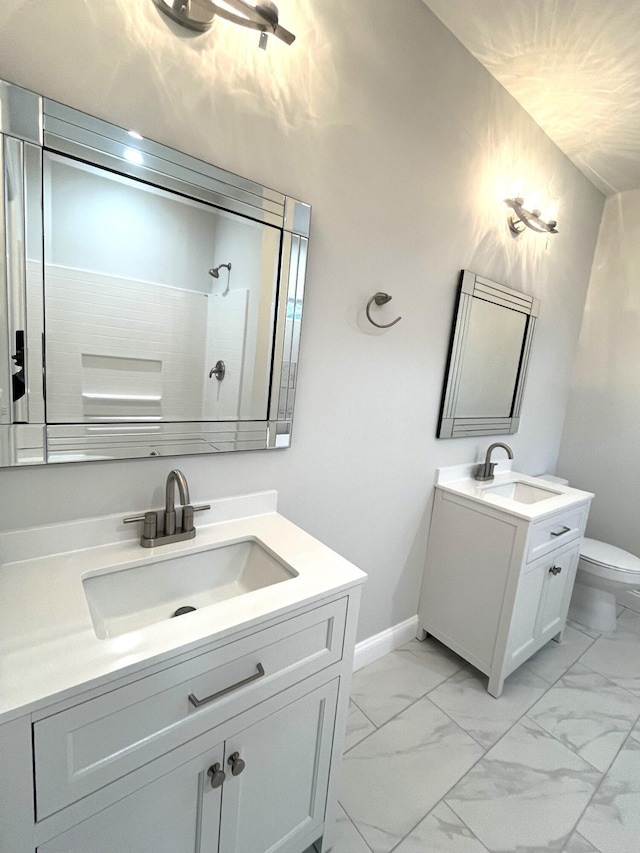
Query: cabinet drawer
point(94, 743)
point(556, 531)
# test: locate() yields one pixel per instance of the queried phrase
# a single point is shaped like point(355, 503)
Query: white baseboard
point(386, 641)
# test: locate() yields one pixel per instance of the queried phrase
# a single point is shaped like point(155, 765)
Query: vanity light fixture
point(198, 15)
point(530, 218)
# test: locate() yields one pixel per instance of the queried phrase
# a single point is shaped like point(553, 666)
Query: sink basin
point(125, 600)
point(524, 493)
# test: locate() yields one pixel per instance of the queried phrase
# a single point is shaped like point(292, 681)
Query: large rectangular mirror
point(153, 301)
point(488, 358)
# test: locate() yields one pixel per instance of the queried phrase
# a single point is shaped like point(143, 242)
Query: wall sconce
point(198, 15)
point(529, 218)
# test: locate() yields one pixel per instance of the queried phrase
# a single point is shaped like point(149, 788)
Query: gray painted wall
point(405, 146)
point(600, 445)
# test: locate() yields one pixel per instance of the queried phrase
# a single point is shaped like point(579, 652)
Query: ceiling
point(574, 65)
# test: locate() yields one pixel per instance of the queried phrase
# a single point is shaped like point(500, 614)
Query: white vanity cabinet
point(498, 581)
point(276, 799)
point(232, 748)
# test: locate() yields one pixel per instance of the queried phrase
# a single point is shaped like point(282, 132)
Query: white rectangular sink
point(524, 493)
point(126, 600)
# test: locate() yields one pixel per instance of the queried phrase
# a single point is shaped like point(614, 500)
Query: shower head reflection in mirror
point(215, 272)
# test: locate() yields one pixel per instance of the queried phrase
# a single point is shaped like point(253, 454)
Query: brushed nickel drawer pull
point(564, 530)
point(198, 702)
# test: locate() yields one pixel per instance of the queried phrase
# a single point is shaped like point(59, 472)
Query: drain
point(182, 610)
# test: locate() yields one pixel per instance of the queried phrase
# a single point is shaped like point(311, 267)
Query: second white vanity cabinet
point(499, 574)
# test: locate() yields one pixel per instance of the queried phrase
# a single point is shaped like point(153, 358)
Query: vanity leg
point(496, 683)
point(558, 637)
point(421, 634)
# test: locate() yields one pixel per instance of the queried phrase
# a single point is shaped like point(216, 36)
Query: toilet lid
point(603, 554)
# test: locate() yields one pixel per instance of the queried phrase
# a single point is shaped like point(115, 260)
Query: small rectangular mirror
point(488, 358)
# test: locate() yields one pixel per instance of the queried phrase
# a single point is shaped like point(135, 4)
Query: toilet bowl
point(603, 572)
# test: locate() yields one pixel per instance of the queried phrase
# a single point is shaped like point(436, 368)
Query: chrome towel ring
point(380, 299)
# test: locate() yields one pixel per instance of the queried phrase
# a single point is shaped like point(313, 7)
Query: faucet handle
point(187, 515)
point(187, 518)
point(150, 519)
point(485, 471)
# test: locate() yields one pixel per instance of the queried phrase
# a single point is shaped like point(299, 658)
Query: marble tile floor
point(433, 764)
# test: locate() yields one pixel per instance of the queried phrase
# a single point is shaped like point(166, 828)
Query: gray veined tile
point(394, 777)
point(589, 714)
point(348, 839)
point(464, 698)
point(590, 632)
point(629, 620)
point(389, 685)
point(617, 657)
point(526, 794)
point(554, 659)
point(358, 727)
point(612, 821)
point(441, 831)
point(578, 844)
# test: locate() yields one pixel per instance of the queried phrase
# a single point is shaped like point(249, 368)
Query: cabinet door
point(280, 792)
point(177, 813)
point(523, 630)
point(558, 585)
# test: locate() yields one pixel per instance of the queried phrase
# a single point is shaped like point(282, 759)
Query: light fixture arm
point(530, 218)
point(198, 15)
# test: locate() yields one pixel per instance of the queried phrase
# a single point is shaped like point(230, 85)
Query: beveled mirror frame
point(473, 286)
point(31, 124)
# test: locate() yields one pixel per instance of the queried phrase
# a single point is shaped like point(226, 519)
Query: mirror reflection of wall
point(488, 359)
point(134, 320)
point(489, 373)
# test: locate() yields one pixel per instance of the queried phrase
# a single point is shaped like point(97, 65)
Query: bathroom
point(405, 146)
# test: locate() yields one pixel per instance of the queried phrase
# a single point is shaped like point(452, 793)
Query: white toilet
point(603, 572)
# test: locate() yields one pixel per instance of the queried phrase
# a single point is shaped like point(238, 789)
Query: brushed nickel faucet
point(485, 471)
point(176, 478)
point(171, 533)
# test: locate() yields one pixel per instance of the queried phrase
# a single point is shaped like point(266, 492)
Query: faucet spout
point(485, 471)
point(175, 478)
point(151, 537)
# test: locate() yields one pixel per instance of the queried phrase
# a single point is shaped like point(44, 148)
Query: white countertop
point(48, 646)
point(459, 480)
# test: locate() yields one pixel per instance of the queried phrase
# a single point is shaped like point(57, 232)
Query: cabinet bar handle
point(561, 532)
point(198, 702)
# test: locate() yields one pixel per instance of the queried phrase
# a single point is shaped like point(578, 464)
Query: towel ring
point(380, 299)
